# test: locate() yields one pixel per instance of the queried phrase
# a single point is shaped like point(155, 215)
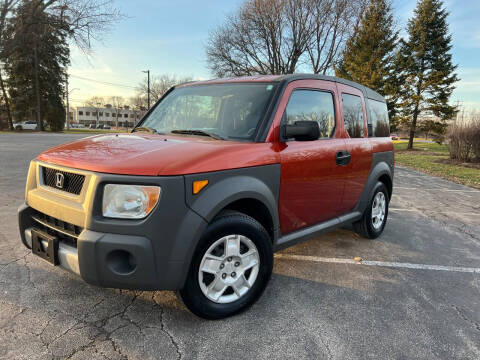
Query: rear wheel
point(230, 269)
point(374, 218)
point(18, 127)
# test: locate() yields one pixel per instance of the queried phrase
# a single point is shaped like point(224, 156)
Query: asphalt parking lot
point(415, 296)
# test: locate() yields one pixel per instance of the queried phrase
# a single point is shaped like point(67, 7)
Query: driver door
point(312, 183)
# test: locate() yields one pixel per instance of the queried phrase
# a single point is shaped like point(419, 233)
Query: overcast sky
point(168, 37)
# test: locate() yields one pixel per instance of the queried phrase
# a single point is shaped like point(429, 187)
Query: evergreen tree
point(427, 72)
point(369, 57)
point(37, 67)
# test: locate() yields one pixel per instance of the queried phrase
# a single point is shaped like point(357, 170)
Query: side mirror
point(301, 131)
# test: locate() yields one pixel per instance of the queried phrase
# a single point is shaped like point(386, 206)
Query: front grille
point(72, 183)
point(63, 231)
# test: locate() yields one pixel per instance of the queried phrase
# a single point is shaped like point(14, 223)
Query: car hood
point(146, 154)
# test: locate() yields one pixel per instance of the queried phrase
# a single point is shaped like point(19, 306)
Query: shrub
point(464, 141)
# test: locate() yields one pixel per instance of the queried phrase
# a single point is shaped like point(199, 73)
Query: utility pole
point(96, 110)
point(148, 86)
point(37, 89)
point(68, 104)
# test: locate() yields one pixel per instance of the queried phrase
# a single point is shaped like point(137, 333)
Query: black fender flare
point(260, 183)
point(382, 165)
point(226, 191)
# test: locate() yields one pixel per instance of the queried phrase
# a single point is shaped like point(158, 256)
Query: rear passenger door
point(354, 115)
point(311, 182)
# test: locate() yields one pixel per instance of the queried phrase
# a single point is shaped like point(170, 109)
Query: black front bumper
point(123, 260)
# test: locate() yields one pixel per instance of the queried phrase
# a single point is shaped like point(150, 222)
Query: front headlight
point(129, 201)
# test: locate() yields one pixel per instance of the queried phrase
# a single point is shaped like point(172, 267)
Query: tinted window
point(353, 115)
point(312, 105)
point(378, 124)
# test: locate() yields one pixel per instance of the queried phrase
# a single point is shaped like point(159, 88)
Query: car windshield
point(221, 111)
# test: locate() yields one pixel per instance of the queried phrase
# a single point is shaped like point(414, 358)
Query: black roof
point(367, 92)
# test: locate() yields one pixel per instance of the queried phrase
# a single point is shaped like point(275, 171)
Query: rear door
point(311, 182)
point(354, 115)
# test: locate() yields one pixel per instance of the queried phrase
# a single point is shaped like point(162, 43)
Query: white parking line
point(434, 189)
point(378, 263)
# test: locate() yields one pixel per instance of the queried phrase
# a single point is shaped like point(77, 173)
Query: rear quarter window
point(378, 123)
point(353, 115)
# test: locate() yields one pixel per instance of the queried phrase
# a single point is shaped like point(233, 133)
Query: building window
point(80, 113)
point(87, 113)
point(94, 113)
point(107, 114)
point(131, 116)
point(100, 113)
point(125, 116)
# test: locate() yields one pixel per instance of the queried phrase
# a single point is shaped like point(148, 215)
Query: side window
point(378, 124)
point(353, 115)
point(312, 105)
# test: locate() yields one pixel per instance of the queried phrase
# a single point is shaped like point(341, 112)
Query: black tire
point(19, 128)
point(364, 227)
point(228, 223)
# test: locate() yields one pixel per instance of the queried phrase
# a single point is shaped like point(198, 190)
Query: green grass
point(431, 147)
point(426, 156)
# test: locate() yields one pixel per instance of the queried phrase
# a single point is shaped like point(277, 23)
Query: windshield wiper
point(198, 132)
point(147, 129)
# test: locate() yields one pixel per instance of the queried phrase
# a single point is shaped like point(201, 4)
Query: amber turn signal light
point(199, 185)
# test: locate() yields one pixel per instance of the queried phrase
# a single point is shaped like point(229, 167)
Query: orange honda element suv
point(216, 177)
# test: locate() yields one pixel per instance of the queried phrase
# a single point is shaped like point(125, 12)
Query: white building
point(108, 115)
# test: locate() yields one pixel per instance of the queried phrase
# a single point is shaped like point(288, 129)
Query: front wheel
point(374, 218)
point(230, 269)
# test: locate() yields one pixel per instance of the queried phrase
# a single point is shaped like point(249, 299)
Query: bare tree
point(95, 102)
point(333, 21)
point(138, 105)
point(159, 85)
point(117, 104)
point(281, 36)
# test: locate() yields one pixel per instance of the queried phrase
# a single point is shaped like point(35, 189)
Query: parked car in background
point(394, 136)
point(106, 127)
point(25, 125)
point(92, 126)
point(218, 176)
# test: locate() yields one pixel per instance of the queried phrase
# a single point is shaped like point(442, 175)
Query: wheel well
point(255, 209)
point(388, 183)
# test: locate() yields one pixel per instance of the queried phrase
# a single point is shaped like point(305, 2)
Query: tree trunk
point(413, 126)
point(37, 91)
point(7, 103)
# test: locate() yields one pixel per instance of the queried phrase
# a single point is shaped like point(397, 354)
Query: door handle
point(343, 157)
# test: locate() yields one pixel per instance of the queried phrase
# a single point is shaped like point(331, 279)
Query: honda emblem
point(59, 180)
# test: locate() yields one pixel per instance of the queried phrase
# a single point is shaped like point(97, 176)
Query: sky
point(169, 37)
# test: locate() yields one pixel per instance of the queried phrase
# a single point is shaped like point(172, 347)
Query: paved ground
point(317, 305)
